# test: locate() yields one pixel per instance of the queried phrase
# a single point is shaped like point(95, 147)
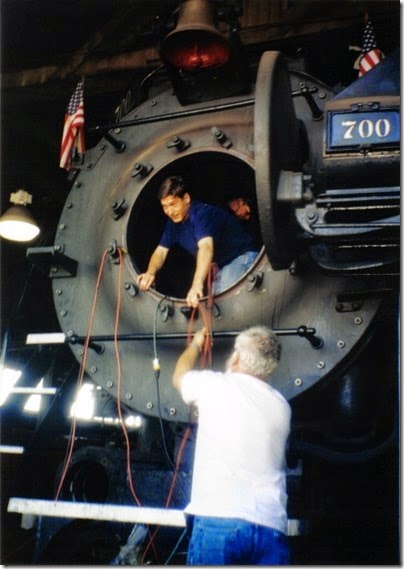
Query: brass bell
point(196, 43)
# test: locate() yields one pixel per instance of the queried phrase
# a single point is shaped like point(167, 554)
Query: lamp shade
point(17, 224)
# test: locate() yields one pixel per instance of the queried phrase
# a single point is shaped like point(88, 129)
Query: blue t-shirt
point(204, 220)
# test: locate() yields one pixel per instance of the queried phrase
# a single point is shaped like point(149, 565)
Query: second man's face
point(240, 208)
point(176, 208)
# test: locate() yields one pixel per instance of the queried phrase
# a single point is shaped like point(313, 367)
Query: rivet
point(70, 333)
point(129, 396)
point(320, 365)
point(62, 226)
point(298, 382)
point(93, 369)
point(58, 291)
point(358, 320)
point(172, 411)
point(109, 384)
point(153, 103)
point(322, 95)
point(78, 184)
point(340, 343)
point(149, 405)
point(81, 352)
point(63, 313)
point(54, 269)
point(69, 205)
point(196, 413)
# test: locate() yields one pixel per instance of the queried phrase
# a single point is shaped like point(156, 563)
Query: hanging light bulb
point(17, 223)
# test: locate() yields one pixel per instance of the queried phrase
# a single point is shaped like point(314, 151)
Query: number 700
point(366, 127)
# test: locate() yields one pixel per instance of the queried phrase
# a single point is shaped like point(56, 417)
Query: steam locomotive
point(321, 172)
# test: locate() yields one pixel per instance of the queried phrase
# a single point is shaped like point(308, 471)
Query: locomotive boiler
point(321, 171)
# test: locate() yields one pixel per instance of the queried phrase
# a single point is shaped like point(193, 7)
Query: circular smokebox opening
point(212, 177)
point(86, 481)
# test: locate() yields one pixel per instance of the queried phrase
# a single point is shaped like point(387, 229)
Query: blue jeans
point(219, 541)
point(230, 273)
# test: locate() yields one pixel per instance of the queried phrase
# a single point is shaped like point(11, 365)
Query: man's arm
point(204, 258)
point(188, 358)
point(145, 280)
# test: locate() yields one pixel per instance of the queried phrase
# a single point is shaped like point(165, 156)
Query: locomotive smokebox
point(112, 221)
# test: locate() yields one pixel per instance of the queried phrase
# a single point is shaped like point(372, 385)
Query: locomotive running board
point(110, 512)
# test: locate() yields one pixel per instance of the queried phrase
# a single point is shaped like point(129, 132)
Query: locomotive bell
point(196, 42)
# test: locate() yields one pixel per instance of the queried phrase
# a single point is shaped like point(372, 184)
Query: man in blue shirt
point(207, 232)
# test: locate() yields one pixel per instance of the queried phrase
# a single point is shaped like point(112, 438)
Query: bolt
point(70, 333)
point(298, 382)
point(340, 343)
point(109, 384)
point(153, 103)
point(358, 320)
point(93, 369)
point(149, 405)
point(320, 365)
point(322, 95)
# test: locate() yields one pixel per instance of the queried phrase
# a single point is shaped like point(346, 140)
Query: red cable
point(205, 355)
point(72, 435)
point(119, 378)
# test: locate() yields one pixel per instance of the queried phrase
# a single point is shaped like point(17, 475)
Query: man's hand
point(204, 258)
point(194, 294)
point(199, 338)
point(145, 280)
point(189, 357)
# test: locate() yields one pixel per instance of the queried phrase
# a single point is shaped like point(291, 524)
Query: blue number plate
point(374, 128)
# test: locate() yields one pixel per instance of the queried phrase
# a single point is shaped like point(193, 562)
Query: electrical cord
point(119, 378)
point(156, 368)
point(69, 450)
point(174, 551)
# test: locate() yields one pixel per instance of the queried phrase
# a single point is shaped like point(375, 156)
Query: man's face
point(176, 208)
point(240, 208)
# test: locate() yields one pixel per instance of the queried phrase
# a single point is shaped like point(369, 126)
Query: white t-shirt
point(239, 463)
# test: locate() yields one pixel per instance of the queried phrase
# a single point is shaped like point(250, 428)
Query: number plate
point(352, 130)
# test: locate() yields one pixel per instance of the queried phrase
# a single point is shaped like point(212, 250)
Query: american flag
point(371, 55)
point(73, 130)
